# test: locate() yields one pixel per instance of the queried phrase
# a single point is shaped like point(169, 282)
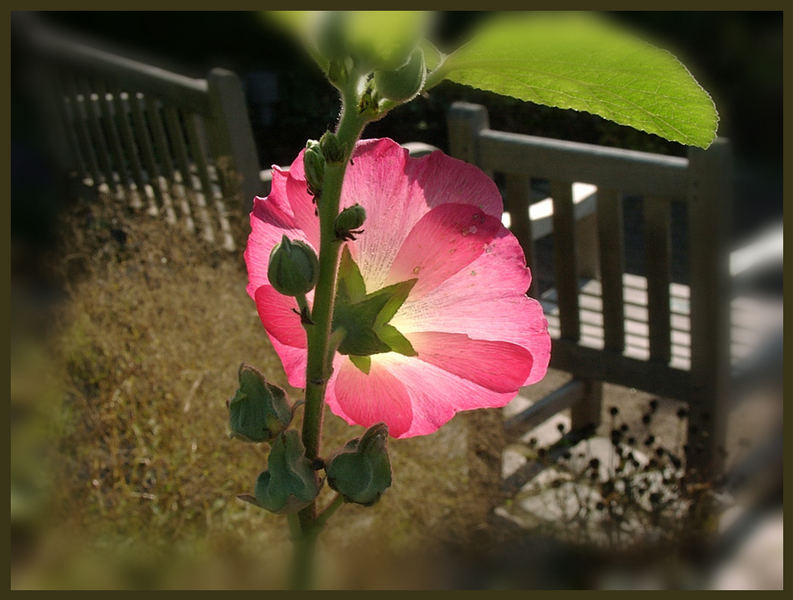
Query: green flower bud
point(289, 484)
point(314, 166)
point(361, 471)
point(349, 221)
point(369, 102)
point(332, 148)
point(259, 411)
point(293, 267)
point(329, 33)
point(338, 70)
point(402, 84)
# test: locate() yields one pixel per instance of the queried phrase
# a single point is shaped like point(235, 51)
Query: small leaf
point(364, 363)
point(250, 499)
point(361, 471)
point(583, 62)
point(351, 282)
point(397, 294)
point(259, 410)
point(395, 340)
point(289, 483)
point(364, 317)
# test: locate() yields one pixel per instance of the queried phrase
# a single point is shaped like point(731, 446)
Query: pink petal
point(269, 223)
point(436, 394)
point(485, 301)
point(278, 318)
point(499, 366)
point(442, 179)
point(376, 180)
point(303, 208)
point(294, 361)
point(397, 191)
point(444, 241)
point(363, 399)
point(296, 168)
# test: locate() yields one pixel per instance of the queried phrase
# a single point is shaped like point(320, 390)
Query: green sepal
point(290, 483)
point(390, 336)
point(364, 363)
point(361, 470)
point(396, 294)
point(402, 84)
point(365, 316)
point(259, 411)
point(351, 283)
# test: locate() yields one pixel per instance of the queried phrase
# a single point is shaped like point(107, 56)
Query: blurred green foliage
point(736, 56)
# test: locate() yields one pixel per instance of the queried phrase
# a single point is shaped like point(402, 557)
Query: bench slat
point(182, 162)
point(657, 259)
point(147, 154)
point(516, 197)
point(128, 139)
point(67, 117)
point(84, 89)
point(564, 256)
point(612, 266)
point(114, 137)
point(79, 120)
point(628, 170)
point(204, 194)
point(171, 193)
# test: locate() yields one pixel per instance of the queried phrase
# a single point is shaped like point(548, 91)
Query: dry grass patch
point(144, 353)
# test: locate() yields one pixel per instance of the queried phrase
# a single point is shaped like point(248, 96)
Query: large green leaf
point(584, 62)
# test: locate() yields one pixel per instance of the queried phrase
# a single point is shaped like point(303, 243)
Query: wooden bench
point(174, 145)
point(642, 331)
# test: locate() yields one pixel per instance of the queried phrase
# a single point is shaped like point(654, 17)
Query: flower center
point(365, 317)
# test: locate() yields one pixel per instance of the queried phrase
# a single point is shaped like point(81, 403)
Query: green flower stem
point(304, 542)
point(331, 508)
point(320, 347)
point(349, 129)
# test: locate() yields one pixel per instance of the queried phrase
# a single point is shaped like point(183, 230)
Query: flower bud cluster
point(259, 411)
point(361, 471)
point(290, 483)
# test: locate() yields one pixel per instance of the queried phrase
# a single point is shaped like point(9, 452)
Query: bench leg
point(586, 412)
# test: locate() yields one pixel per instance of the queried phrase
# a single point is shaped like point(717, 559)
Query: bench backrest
point(700, 182)
point(181, 145)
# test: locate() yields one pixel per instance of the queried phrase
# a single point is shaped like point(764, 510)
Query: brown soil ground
point(123, 475)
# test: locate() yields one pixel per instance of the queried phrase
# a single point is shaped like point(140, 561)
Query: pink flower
point(474, 336)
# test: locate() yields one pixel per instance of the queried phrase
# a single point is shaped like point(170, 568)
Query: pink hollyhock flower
point(463, 335)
